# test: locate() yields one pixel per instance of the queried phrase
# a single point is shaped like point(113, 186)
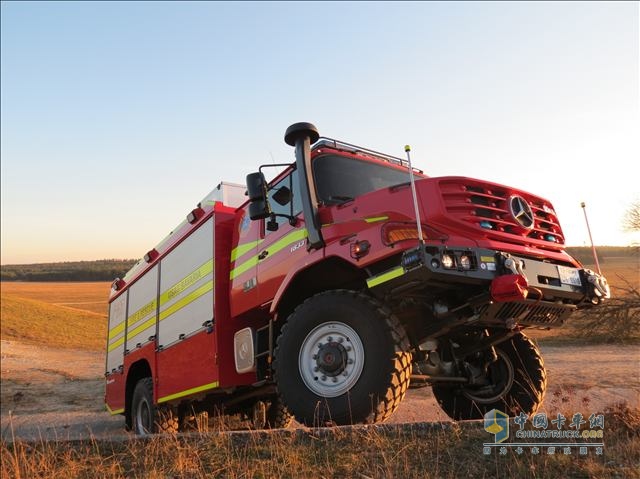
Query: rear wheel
point(189, 421)
point(516, 382)
point(342, 358)
point(146, 417)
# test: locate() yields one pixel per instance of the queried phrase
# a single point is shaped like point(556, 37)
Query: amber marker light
point(360, 249)
point(395, 232)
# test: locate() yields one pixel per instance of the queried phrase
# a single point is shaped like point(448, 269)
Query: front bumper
point(551, 292)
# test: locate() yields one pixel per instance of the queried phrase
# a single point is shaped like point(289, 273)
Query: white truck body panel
point(186, 285)
point(115, 342)
point(142, 311)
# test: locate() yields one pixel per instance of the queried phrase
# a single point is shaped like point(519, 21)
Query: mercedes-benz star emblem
point(521, 211)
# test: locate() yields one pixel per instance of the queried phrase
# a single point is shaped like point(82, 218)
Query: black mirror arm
point(293, 220)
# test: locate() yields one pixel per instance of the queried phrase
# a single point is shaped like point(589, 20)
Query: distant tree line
point(585, 255)
point(100, 270)
point(109, 269)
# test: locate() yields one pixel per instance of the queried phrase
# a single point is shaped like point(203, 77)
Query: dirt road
point(58, 394)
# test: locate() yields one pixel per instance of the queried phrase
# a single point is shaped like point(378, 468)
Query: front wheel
point(516, 382)
point(342, 358)
point(269, 415)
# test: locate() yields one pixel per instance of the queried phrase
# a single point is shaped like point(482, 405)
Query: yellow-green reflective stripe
point(195, 294)
point(187, 281)
point(198, 389)
point(375, 219)
point(388, 276)
point(118, 329)
point(134, 332)
point(371, 219)
point(142, 313)
point(113, 333)
point(114, 411)
point(247, 265)
point(134, 318)
point(146, 325)
point(115, 344)
point(131, 333)
point(242, 249)
point(274, 248)
point(286, 240)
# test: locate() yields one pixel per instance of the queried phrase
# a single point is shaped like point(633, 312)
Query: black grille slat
point(512, 310)
point(527, 312)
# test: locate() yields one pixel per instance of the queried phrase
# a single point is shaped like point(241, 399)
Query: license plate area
point(569, 276)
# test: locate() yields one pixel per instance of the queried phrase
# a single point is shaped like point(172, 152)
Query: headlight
point(447, 261)
point(465, 262)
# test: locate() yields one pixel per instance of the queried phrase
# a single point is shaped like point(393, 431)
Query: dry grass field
point(422, 451)
point(68, 315)
point(91, 297)
point(620, 271)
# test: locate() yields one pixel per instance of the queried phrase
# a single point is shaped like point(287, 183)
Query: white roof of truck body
point(229, 194)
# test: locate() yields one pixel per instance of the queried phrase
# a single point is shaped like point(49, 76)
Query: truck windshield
point(339, 179)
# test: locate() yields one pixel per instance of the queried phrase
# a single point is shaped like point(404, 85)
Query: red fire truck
point(323, 293)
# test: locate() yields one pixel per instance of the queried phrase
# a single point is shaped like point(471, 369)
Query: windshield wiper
point(393, 188)
point(340, 200)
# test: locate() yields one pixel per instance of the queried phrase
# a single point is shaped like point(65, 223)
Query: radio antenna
point(412, 180)
point(593, 248)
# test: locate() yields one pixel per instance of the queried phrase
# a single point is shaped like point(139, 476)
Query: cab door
point(247, 235)
point(280, 250)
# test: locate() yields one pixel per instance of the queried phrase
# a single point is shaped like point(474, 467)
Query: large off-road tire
point(278, 416)
point(342, 358)
point(146, 417)
point(268, 414)
point(166, 420)
point(193, 421)
point(518, 382)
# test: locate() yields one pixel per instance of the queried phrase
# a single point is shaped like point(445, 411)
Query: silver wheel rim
point(143, 417)
point(331, 359)
point(507, 387)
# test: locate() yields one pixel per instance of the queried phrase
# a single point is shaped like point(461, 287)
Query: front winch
point(597, 287)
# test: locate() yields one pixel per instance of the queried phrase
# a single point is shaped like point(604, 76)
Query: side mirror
point(257, 189)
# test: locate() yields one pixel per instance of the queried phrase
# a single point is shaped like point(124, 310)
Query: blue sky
point(118, 117)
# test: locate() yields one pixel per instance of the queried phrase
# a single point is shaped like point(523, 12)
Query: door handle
point(263, 255)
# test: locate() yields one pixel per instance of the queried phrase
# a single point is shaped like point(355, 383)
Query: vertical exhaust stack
point(302, 135)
